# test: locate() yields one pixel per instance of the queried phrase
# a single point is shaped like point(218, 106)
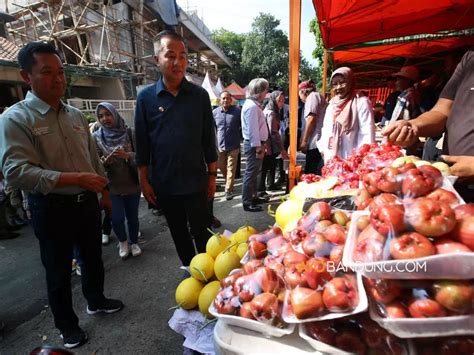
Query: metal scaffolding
point(98, 34)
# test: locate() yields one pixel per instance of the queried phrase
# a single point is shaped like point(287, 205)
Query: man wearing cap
point(407, 107)
point(453, 112)
point(313, 117)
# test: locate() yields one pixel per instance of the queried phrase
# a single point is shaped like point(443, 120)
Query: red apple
point(369, 246)
point(457, 296)
point(267, 279)
point(315, 272)
point(294, 258)
point(251, 266)
point(462, 211)
point(430, 218)
point(306, 302)
point(443, 195)
point(396, 310)
point(322, 331)
point(383, 200)
point(294, 278)
point(245, 311)
point(411, 246)
point(229, 280)
point(383, 291)
point(335, 234)
point(317, 212)
point(426, 308)
point(278, 246)
point(226, 301)
point(388, 220)
point(447, 246)
point(321, 226)
point(274, 263)
point(340, 294)
point(257, 250)
point(388, 180)
point(265, 306)
point(267, 235)
point(350, 341)
point(336, 254)
point(316, 244)
point(464, 232)
point(416, 184)
point(296, 236)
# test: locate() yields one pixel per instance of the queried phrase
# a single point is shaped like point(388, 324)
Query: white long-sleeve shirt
point(254, 127)
point(363, 132)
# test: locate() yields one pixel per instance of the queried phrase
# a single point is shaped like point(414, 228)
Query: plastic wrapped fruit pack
point(418, 308)
point(395, 234)
point(444, 346)
point(406, 182)
point(256, 294)
point(324, 297)
point(353, 335)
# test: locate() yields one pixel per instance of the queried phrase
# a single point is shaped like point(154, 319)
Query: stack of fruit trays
point(286, 278)
point(414, 243)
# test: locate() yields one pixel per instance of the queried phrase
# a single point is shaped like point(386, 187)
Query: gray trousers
point(253, 167)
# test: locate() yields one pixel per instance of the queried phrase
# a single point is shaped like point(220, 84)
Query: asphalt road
point(145, 284)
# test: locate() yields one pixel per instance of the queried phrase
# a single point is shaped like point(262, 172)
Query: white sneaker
point(124, 251)
point(136, 250)
point(105, 239)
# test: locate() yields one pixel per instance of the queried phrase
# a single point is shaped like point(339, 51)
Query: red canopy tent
point(364, 31)
point(346, 22)
point(235, 91)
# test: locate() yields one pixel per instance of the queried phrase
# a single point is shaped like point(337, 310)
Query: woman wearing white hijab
point(349, 119)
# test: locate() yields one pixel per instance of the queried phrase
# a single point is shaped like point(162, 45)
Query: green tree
point(232, 45)
point(318, 52)
point(265, 51)
point(307, 71)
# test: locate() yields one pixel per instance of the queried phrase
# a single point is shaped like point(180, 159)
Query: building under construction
point(107, 45)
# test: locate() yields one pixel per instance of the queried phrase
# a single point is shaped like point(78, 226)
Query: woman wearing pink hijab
point(349, 119)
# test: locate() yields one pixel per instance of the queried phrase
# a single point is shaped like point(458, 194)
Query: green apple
point(419, 163)
point(443, 167)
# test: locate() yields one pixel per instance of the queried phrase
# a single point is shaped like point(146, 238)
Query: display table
point(231, 340)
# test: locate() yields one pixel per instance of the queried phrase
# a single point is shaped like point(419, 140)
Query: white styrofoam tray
point(361, 307)
point(251, 324)
point(457, 266)
point(425, 327)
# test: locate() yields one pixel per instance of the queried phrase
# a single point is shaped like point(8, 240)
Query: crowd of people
point(88, 180)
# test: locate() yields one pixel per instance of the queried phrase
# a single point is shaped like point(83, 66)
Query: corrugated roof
point(8, 50)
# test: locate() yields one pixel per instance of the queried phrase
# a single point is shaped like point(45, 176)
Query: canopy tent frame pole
point(295, 34)
point(325, 72)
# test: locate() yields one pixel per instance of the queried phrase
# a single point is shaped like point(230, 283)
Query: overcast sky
point(237, 16)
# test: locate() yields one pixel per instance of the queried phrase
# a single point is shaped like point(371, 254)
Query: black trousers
point(59, 223)
point(268, 172)
point(314, 162)
point(179, 210)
